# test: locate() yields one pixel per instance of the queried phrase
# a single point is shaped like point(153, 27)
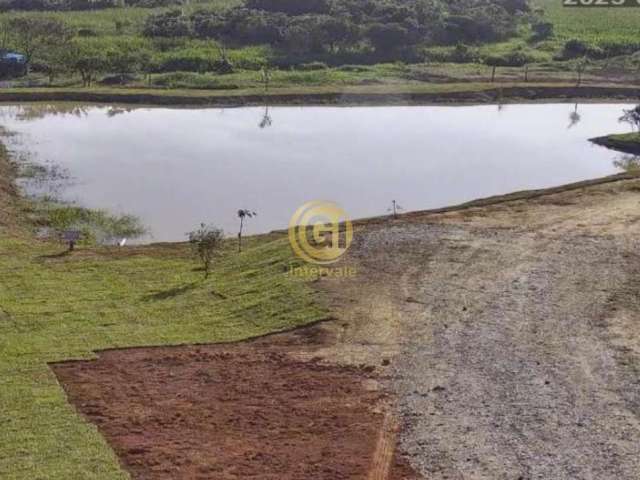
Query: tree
point(125, 60)
point(89, 61)
point(632, 117)
point(580, 66)
point(494, 62)
point(243, 215)
point(205, 243)
point(31, 35)
point(290, 7)
point(55, 61)
point(167, 24)
point(388, 37)
point(542, 30)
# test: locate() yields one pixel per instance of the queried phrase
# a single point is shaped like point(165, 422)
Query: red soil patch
point(231, 412)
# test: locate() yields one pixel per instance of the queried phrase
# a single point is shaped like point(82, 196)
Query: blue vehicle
point(12, 64)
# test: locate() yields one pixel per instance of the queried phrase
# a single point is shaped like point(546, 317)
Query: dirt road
point(517, 352)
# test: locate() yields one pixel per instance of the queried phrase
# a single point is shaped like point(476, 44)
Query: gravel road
point(517, 349)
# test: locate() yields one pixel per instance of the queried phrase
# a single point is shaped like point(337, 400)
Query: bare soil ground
point(509, 334)
point(236, 412)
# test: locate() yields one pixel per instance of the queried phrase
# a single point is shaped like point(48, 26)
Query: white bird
point(122, 242)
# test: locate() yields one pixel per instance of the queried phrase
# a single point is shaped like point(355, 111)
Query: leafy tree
point(580, 67)
point(632, 117)
point(31, 35)
point(124, 59)
point(389, 37)
point(55, 61)
point(243, 215)
point(494, 62)
point(542, 30)
point(290, 7)
point(205, 243)
point(89, 61)
point(167, 24)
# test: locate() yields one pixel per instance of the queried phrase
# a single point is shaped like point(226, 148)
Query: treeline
point(301, 34)
point(79, 5)
point(321, 26)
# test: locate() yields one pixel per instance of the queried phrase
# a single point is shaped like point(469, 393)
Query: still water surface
point(176, 168)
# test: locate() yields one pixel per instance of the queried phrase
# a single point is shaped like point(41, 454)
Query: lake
point(176, 168)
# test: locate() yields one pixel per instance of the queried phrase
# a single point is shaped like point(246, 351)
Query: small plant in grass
point(395, 209)
point(205, 242)
point(243, 215)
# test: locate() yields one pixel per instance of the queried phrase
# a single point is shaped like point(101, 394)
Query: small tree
point(395, 208)
point(632, 117)
point(243, 215)
point(581, 66)
point(494, 62)
point(205, 243)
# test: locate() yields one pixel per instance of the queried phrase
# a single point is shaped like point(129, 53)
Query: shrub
point(291, 7)
point(191, 80)
point(542, 30)
point(574, 48)
point(312, 66)
point(205, 243)
point(190, 60)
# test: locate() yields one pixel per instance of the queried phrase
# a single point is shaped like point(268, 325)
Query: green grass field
point(55, 308)
point(595, 25)
point(131, 19)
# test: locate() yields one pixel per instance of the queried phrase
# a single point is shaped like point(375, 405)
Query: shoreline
point(618, 143)
point(429, 94)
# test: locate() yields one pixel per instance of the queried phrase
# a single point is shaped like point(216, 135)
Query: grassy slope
point(59, 308)
point(624, 142)
point(618, 25)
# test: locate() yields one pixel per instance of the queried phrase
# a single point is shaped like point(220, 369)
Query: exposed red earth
point(222, 412)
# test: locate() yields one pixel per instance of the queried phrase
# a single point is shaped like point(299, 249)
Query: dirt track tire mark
point(385, 448)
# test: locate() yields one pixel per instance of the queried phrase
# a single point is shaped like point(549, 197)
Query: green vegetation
point(625, 142)
point(224, 44)
point(595, 26)
point(303, 44)
point(56, 306)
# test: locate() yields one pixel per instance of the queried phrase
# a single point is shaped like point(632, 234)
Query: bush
point(167, 24)
point(542, 30)
point(191, 80)
point(460, 54)
point(574, 48)
point(306, 67)
point(87, 32)
point(353, 68)
point(464, 54)
point(291, 7)
point(516, 58)
point(190, 60)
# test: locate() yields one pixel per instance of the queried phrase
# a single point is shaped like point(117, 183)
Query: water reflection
point(632, 117)
point(574, 117)
point(35, 111)
point(266, 121)
point(627, 163)
point(176, 168)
